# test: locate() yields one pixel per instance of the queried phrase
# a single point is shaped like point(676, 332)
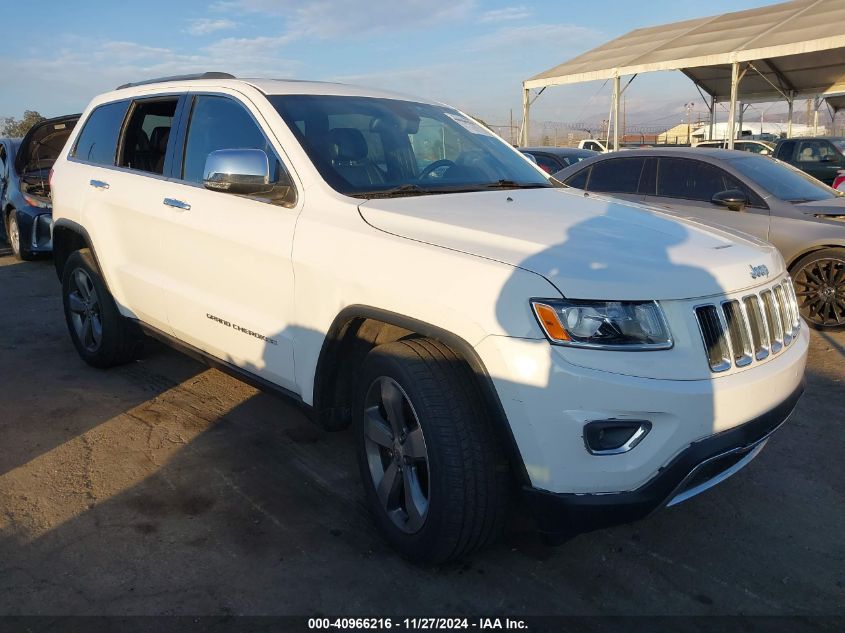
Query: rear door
point(687, 186)
point(118, 216)
point(229, 274)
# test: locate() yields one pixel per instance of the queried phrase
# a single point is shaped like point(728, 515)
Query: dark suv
point(821, 157)
point(27, 209)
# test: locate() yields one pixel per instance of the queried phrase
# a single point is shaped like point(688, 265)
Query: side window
point(97, 143)
point(753, 199)
point(648, 177)
point(617, 175)
point(147, 132)
point(689, 179)
point(579, 180)
point(786, 150)
point(223, 123)
point(2, 161)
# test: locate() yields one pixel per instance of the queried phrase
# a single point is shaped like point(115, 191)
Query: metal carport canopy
point(780, 51)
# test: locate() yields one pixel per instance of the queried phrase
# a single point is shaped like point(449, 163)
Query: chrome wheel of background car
point(820, 286)
point(396, 454)
point(14, 235)
point(85, 311)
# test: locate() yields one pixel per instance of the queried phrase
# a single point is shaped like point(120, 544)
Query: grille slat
point(737, 333)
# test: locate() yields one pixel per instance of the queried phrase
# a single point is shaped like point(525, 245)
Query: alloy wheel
point(14, 235)
point(396, 454)
point(84, 305)
point(820, 287)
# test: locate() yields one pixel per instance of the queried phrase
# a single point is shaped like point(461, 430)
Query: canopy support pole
point(616, 93)
point(732, 107)
point(791, 102)
point(526, 108)
point(712, 116)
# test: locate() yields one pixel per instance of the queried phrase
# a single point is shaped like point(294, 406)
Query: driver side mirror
point(243, 171)
point(733, 199)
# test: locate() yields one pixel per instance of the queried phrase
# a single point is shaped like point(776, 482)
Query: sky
point(472, 54)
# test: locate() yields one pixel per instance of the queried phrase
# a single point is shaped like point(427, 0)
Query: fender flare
point(498, 417)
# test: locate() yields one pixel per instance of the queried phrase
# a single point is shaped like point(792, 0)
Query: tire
point(459, 490)
point(100, 334)
point(13, 234)
point(820, 285)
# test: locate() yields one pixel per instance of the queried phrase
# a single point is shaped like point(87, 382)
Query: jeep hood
point(589, 247)
point(40, 147)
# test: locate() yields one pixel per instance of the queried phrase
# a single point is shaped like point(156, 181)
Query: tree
point(14, 128)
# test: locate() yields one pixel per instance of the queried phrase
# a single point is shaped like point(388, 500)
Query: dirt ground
point(164, 487)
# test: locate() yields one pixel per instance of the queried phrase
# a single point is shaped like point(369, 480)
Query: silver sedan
point(754, 194)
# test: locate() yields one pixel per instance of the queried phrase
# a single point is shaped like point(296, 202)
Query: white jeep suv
point(389, 262)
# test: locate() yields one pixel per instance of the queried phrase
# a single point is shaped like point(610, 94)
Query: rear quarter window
point(97, 143)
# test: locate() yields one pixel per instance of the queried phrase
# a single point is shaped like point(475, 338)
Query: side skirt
point(226, 367)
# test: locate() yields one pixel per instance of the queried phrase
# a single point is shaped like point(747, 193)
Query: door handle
point(177, 204)
point(99, 184)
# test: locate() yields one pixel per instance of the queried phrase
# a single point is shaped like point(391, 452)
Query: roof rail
point(209, 75)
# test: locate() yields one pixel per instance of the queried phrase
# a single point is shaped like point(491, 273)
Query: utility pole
point(689, 106)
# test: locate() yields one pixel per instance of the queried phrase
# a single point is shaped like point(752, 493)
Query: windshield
point(840, 144)
point(781, 180)
point(369, 147)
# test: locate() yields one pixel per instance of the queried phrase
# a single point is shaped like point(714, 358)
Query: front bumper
point(702, 465)
point(548, 400)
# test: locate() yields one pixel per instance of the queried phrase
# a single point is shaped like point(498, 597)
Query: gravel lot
point(163, 487)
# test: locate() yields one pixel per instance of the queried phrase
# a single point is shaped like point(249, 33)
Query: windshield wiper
point(395, 192)
point(512, 184)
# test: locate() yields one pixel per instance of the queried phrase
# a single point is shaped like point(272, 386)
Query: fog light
point(612, 437)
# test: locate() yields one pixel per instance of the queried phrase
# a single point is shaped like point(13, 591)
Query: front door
point(229, 290)
point(687, 187)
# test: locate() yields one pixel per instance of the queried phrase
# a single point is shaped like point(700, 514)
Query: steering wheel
point(443, 162)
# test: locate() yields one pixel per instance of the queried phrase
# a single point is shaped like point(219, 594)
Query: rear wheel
point(100, 334)
point(820, 285)
point(432, 468)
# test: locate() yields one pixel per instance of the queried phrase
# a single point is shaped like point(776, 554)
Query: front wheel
point(433, 470)
point(820, 286)
point(100, 334)
point(13, 231)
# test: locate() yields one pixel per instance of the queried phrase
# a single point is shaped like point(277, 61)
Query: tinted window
point(579, 180)
point(617, 175)
point(690, 179)
point(781, 180)
point(547, 163)
point(98, 141)
point(648, 178)
point(753, 199)
point(785, 150)
point(147, 134)
point(220, 123)
point(2, 161)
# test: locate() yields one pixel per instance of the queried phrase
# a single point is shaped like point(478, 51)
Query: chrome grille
point(737, 333)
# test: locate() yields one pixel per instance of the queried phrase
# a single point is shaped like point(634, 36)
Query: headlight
point(620, 325)
point(40, 203)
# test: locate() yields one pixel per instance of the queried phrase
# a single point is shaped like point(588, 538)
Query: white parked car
point(388, 262)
